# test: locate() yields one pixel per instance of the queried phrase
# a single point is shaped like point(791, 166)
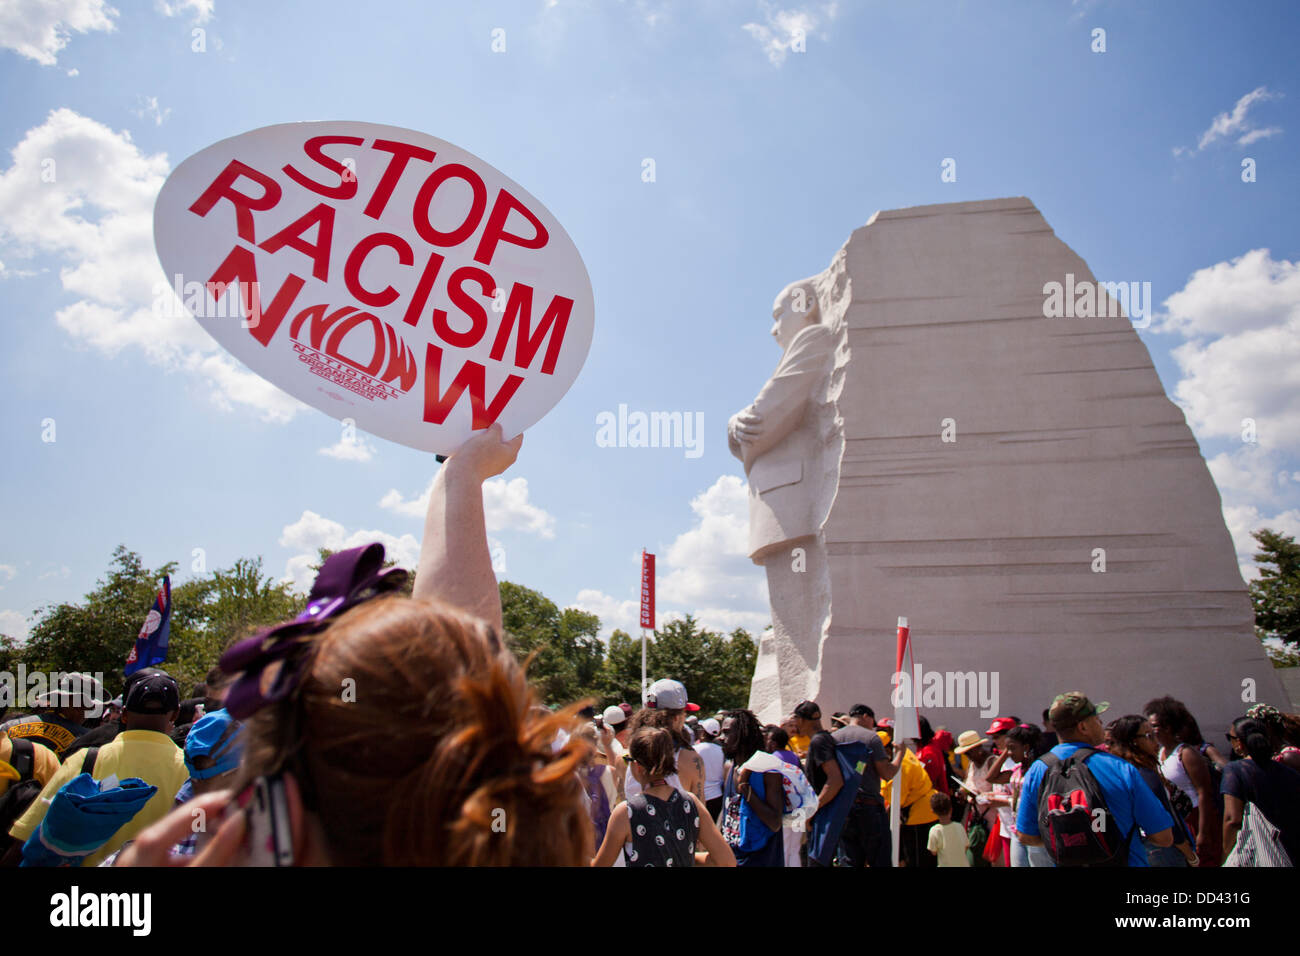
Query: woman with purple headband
point(393, 730)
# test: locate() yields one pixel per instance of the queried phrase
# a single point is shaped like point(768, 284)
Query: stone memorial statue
point(941, 441)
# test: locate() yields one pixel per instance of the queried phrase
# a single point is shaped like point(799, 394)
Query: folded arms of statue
point(783, 401)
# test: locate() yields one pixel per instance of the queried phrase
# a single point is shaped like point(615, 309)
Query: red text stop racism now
point(266, 226)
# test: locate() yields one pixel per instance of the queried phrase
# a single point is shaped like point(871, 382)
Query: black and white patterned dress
point(664, 832)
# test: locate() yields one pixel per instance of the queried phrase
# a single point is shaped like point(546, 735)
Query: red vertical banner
point(647, 590)
point(903, 632)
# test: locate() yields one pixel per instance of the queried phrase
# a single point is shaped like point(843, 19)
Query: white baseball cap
point(712, 726)
point(669, 695)
point(614, 715)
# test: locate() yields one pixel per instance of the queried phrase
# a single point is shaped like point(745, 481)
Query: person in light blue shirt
point(1078, 723)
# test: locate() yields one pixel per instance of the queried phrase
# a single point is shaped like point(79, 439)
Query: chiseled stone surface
point(1065, 443)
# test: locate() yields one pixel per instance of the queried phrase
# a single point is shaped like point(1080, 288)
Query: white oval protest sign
point(381, 275)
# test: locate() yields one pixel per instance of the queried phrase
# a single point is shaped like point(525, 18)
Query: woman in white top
point(714, 762)
point(1183, 765)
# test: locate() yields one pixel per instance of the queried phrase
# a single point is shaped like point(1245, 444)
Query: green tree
point(562, 651)
point(233, 603)
point(717, 669)
point(1276, 592)
point(97, 635)
point(208, 613)
point(620, 678)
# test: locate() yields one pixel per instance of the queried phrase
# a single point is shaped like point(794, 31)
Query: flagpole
point(902, 727)
point(643, 674)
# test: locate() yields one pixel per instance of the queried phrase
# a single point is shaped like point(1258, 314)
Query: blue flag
point(151, 646)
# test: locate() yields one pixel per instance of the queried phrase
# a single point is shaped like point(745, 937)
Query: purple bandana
point(270, 665)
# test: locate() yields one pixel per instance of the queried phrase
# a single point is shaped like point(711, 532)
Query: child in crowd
point(947, 839)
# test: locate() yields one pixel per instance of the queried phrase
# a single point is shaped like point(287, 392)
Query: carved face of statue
point(794, 308)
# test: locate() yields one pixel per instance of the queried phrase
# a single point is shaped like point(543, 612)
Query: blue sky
point(765, 159)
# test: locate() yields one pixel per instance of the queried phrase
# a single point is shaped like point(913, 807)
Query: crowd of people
point(377, 729)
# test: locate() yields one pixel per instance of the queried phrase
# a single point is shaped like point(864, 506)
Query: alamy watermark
point(209, 300)
point(651, 430)
point(1098, 300)
point(928, 689)
point(32, 690)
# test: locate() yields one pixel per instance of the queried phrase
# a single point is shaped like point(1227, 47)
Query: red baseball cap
point(999, 726)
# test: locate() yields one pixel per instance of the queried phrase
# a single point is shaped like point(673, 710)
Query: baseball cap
point(141, 674)
point(614, 715)
point(669, 695)
point(627, 709)
point(1000, 726)
point(808, 710)
point(1073, 708)
point(155, 694)
point(711, 726)
point(216, 735)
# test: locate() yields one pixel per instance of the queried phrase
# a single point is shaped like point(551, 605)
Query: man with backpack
point(833, 775)
point(1086, 806)
point(866, 840)
point(143, 750)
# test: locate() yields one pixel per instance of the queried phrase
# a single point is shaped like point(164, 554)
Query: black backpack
point(1074, 823)
point(22, 757)
point(23, 791)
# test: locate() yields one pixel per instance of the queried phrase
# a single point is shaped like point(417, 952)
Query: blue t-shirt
point(1127, 797)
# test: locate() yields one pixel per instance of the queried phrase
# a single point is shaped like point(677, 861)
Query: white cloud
point(312, 532)
point(506, 507)
point(39, 29)
point(350, 448)
point(1236, 123)
point(84, 194)
point(199, 10)
point(613, 613)
point(149, 109)
point(13, 624)
point(1242, 357)
point(1252, 472)
point(707, 565)
point(776, 34)
point(7, 571)
point(1241, 381)
point(1258, 134)
point(234, 384)
point(705, 572)
point(62, 571)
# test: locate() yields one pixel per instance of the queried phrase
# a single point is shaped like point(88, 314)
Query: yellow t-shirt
point(799, 744)
point(917, 788)
point(44, 763)
point(948, 842)
point(147, 754)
